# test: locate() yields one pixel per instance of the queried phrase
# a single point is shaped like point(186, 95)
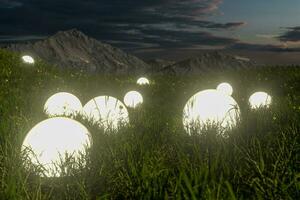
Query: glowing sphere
point(143, 81)
point(53, 141)
point(210, 107)
point(133, 99)
point(108, 112)
point(28, 59)
point(225, 88)
point(62, 104)
point(260, 99)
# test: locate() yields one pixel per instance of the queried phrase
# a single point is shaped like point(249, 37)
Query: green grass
point(154, 158)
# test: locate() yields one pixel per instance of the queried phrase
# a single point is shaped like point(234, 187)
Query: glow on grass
point(54, 140)
point(143, 81)
point(28, 59)
point(108, 112)
point(260, 99)
point(225, 88)
point(210, 107)
point(62, 104)
point(133, 99)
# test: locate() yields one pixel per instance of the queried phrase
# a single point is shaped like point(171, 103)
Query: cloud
point(267, 36)
point(8, 4)
point(256, 47)
point(165, 36)
point(170, 23)
point(9, 38)
point(291, 35)
point(261, 47)
point(187, 8)
point(230, 25)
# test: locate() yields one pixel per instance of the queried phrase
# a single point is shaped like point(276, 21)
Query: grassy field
point(154, 158)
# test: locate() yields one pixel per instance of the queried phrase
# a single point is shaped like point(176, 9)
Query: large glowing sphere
point(143, 81)
point(62, 104)
point(53, 141)
point(132, 99)
point(28, 59)
point(210, 107)
point(260, 99)
point(225, 88)
point(108, 112)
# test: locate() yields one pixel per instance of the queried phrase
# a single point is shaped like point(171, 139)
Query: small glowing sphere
point(133, 99)
point(210, 107)
point(62, 104)
point(143, 81)
point(53, 141)
point(260, 99)
point(108, 112)
point(28, 59)
point(225, 88)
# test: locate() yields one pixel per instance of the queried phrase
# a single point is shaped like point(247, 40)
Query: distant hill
point(208, 61)
point(159, 64)
point(73, 49)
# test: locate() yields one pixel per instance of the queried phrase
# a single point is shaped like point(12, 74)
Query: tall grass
point(153, 157)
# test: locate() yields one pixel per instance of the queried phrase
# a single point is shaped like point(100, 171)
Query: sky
point(159, 27)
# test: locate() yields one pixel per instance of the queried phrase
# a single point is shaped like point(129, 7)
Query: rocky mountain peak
point(209, 61)
point(73, 49)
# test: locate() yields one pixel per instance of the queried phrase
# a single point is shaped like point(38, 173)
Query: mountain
point(159, 64)
point(208, 61)
point(73, 49)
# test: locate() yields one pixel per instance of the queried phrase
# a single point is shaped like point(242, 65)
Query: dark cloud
point(230, 25)
point(169, 39)
point(9, 38)
point(262, 47)
point(256, 47)
point(7, 4)
point(292, 35)
point(168, 23)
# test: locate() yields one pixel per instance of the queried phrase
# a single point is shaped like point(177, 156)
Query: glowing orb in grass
point(133, 99)
point(143, 81)
point(53, 141)
point(108, 112)
point(28, 59)
point(62, 104)
point(210, 107)
point(260, 99)
point(225, 88)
